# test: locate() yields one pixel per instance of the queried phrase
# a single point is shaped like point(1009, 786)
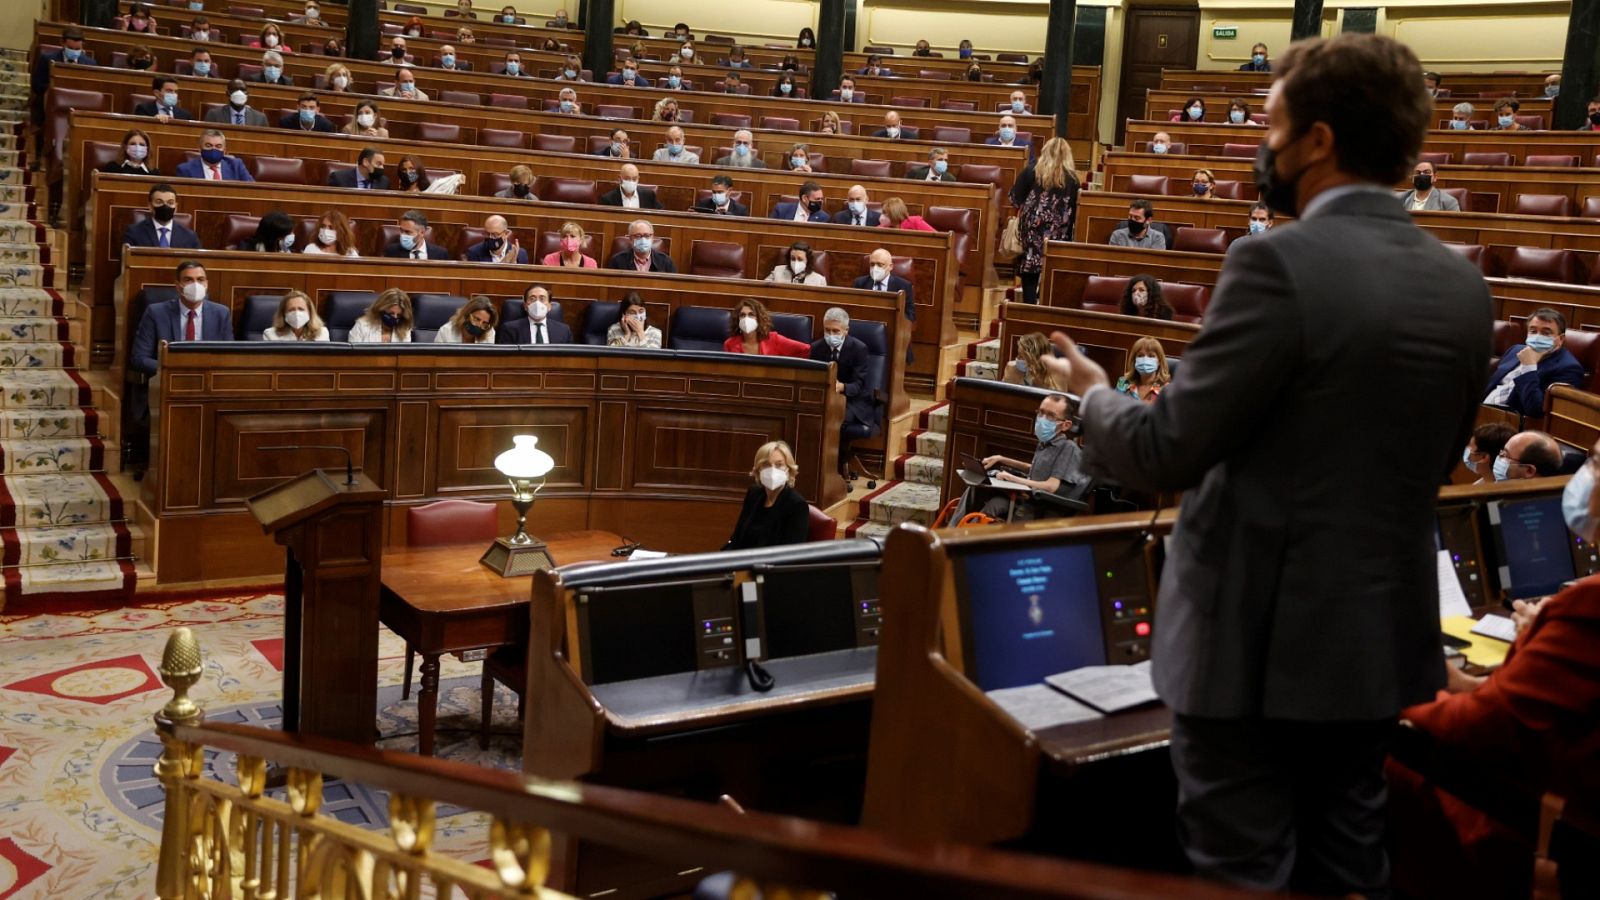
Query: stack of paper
point(1108, 688)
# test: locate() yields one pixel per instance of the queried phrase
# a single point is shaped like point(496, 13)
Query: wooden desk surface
point(448, 578)
point(1066, 747)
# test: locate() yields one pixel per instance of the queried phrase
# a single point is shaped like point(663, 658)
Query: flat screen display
point(808, 611)
point(1535, 545)
point(641, 632)
point(1031, 612)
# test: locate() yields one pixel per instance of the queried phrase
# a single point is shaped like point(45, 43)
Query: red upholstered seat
point(1472, 253)
point(1438, 159)
point(1542, 205)
point(58, 106)
point(469, 97)
point(506, 138)
point(567, 190)
point(1188, 301)
point(731, 120)
point(1103, 293)
point(615, 111)
point(508, 101)
point(1239, 151)
point(439, 131)
point(870, 168)
point(819, 525)
point(491, 183)
point(1534, 122)
point(278, 170)
point(1147, 184)
point(958, 221)
point(1201, 240)
point(716, 259)
point(920, 102)
point(950, 134)
point(780, 123)
point(237, 228)
point(1542, 264)
point(1507, 335)
point(100, 153)
point(962, 105)
point(1585, 345)
point(1231, 190)
point(978, 173)
point(1591, 208)
point(556, 143)
point(933, 75)
point(1461, 196)
point(1557, 160)
point(1486, 159)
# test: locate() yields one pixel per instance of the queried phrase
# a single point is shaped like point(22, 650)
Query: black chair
point(1572, 459)
point(698, 328)
point(258, 312)
point(794, 326)
point(432, 311)
point(599, 316)
point(344, 308)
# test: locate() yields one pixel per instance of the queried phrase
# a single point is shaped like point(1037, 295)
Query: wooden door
point(1156, 38)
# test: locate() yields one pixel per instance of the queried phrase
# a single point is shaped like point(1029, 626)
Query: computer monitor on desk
point(632, 631)
point(1535, 549)
point(808, 609)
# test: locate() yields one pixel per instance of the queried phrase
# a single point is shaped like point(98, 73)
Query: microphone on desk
point(349, 465)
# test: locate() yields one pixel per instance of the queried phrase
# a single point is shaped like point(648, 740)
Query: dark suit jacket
point(659, 262)
point(906, 134)
point(638, 80)
point(393, 250)
point(1288, 594)
point(41, 68)
point(735, 208)
point(349, 178)
point(647, 198)
point(786, 211)
point(994, 141)
point(861, 403)
point(845, 217)
point(896, 283)
point(164, 322)
point(477, 253)
point(232, 169)
point(285, 79)
point(520, 331)
point(223, 115)
point(920, 173)
point(1527, 391)
point(461, 66)
point(319, 124)
point(150, 109)
point(143, 234)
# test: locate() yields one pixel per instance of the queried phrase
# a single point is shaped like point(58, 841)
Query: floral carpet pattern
point(80, 808)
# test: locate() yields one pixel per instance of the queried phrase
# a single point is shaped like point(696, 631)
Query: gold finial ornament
point(180, 671)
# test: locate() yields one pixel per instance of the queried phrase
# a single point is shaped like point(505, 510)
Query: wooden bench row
point(1523, 84)
point(1162, 105)
point(1209, 139)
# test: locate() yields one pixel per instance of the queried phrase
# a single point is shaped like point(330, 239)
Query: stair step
point(32, 589)
point(926, 443)
point(47, 354)
point(38, 388)
point(937, 418)
point(26, 302)
point(58, 499)
point(56, 544)
point(920, 469)
point(67, 454)
point(903, 501)
point(988, 351)
point(862, 528)
point(35, 424)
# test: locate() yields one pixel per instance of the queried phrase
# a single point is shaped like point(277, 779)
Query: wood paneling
point(1206, 139)
point(1460, 84)
point(1159, 105)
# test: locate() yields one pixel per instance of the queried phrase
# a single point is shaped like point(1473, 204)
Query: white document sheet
point(1038, 707)
point(1452, 602)
point(1108, 688)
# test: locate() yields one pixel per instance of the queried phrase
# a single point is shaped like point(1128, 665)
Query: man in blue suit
point(214, 163)
point(159, 229)
point(880, 277)
point(849, 93)
point(165, 106)
point(1527, 370)
point(499, 244)
point(855, 211)
point(863, 417)
point(71, 52)
point(1006, 136)
point(413, 241)
point(628, 76)
point(191, 317)
point(808, 209)
point(538, 327)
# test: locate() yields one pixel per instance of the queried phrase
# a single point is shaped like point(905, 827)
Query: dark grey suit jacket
point(1294, 587)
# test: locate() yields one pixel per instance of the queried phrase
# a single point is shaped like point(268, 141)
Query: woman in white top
point(368, 122)
point(631, 331)
point(334, 236)
point(473, 323)
point(799, 268)
point(387, 321)
point(296, 320)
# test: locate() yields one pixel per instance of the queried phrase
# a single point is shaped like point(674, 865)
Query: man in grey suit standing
point(1298, 613)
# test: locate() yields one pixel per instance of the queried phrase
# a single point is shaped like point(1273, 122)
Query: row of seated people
point(1508, 116)
point(1161, 143)
point(412, 237)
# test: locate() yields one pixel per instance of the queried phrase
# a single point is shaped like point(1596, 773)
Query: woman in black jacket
point(774, 513)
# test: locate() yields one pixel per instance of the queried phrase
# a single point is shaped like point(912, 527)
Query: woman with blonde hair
point(335, 236)
point(571, 253)
point(1147, 371)
point(666, 110)
point(473, 323)
point(1027, 369)
point(831, 123)
point(774, 513)
point(388, 320)
point(895, 214)
point(1046, 198)
point(1205, 184)
point(336, 78)
point(296, 320)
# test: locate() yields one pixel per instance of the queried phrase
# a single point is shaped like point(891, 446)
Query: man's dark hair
point(160, 188)
point(1358, 85)
point(161, 81)
point(809, 187)
point(367, 153)
point(1260, 205)
point(72, 33)
point(1145, 205)
point(1490, 438)
point(1433, 77)
point(1544, 455)
point(185, 266)
point(309, 96)
point(416, 218)
point(1552, 316)
point(199, 50)
point(723, 180)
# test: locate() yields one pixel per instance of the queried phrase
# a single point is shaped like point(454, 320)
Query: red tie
point(188, 327)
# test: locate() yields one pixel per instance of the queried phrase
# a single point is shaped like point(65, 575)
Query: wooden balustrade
point(1460, 84)
point(1207, 139)
point(1161, 105)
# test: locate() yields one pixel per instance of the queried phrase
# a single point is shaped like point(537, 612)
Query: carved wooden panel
point(611, 456)
point(676, 449)
point(470, 436)
point(411, 448)
point(183, 445)
point(241, 468)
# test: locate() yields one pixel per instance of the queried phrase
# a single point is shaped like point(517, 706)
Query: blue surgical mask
point(1552, 90)
point(797, 161)
point(1575, 503)
point(570, 73)
point(1542, 343)
point(1146, 365)
point(965, 53)
point(1502, 467)
point(509, 20)
point(287, 243)
point(834, 340)
point(1458, 124)
point(407, 87)
point(211, 156)
point(941, 166)
point(197, 5)
point(272, 73)
point(718, 198)
point(449, 59)
point(408, 241)
point(1505, 121)
point(1195, 112)
point(1018, 106)
point(169, 99)
point(1236, 116)
point(71, 55)
point(1466, 460)
point(1257, 226)
point(1258, 58)
point(138, 152)
point(858, 206)
point(1008, 134)
point(308, 116)
point(674, 81)
point(741, 149)
point(566, 106)
point(674, 149)
point(1158, 147)
point(642, 245)
point(1044, 428)
point(786, 87)
point(513, 68)
point(202, 68)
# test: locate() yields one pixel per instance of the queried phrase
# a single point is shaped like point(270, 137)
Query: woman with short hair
point(750, 331)
point(1147, 371)
point(774, 513)
point(296, 320)
point(571, 253)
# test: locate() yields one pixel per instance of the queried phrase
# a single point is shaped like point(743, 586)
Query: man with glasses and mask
point(499, 244)
point(1528, 369)
point(1527, 454)
point(1056, 467)
point(641, 255)
point(538, 327)
point(1299, 614)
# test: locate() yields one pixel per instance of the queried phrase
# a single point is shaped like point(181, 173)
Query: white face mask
point(747, 324)
point(879, 274)
point(537, 310)
point(687, 52)
point(893, 131)
point(340, 82)
point(798, 265)
point(297, 318)
point(365, 119)
point(194, 292)
point(270, 40)
point(846, 93)
point(774, 478)
point(238, 98)
point(326, 235)
point(628, 186)
point(639, 317)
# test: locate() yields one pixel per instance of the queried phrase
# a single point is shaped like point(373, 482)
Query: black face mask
point(398, 52)
point(408, 176)
point(1135, 227)
point(519, 190)
point(815, 206)
point(163, 214)
point(492, 244)
point(476, 330)
point(1422, 182)
point(140, 63)
point(1278, 194)
point(1594, 118)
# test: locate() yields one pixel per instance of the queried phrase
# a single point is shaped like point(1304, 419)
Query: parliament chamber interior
point(953, 588)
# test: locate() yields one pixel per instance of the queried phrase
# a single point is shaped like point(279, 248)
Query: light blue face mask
point(674, 149)
point(1575, 503)
point(1236, 116)
point(674, 81)
point(1505, 121)
point(509, 20)
point(1552, 90)
point(1158, 148)
point(1466, 460)
point(1146, 365)
point(570, 73)
point(941, 166)
point(202, 68)
point(1044, 428)
point(566, 106)
point(1258, 59)
point(616, 148)
point(1502, 467)
point(1018, 106)
point(797, 161)
point(718, 198)
point(513, 68)
point(741, 149)
point(408, 241)
point(169, 100)
point(786, 87)
point(272, 73)
point(858, 206)
point(1257, 226)
point(71, 55)
point(834, 340)
point(1458, 124)
point(308, 116)
point(449, 60)
point(1541, 343)
point(642, 245)
point(1008, 134)
point(1195, 112)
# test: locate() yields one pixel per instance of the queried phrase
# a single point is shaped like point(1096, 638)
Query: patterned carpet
point(918, 474)
point(80, 809)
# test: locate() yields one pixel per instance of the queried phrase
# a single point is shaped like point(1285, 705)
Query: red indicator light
point(1142, 629)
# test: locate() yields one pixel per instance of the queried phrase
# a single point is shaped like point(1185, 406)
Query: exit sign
point(1225, 34)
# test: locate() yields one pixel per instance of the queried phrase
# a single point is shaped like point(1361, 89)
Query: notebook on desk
point(974, 474)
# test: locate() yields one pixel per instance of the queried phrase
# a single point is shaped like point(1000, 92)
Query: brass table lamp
point(525, 467)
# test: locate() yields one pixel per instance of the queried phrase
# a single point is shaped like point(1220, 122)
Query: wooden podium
point(332, 574)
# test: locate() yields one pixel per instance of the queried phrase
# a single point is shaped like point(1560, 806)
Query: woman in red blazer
point(751, 331)
point(1534, 724)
